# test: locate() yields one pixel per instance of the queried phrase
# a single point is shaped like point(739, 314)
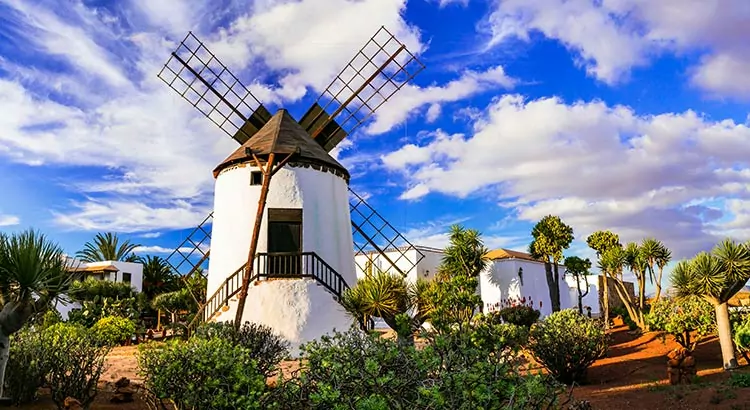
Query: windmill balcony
point(293, 265)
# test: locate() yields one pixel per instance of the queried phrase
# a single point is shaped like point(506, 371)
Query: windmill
point(299, 152)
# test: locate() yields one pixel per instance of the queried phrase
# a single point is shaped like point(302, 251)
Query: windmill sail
point(192, 254)
point(375, 73)
point(195, 73)
point(378, 241)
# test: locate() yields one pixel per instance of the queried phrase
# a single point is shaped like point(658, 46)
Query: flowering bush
point(520, 315)
point(681, 317)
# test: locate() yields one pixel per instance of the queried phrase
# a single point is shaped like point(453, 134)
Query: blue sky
point(627, 115)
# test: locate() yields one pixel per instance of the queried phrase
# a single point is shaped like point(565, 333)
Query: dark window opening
point(256, 178)
point(126, 277)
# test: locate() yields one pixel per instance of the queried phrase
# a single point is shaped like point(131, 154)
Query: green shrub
point(74, 362)
point(742, 337)
point(267, 348)
point(740, 380)
point(458, 370)
point(113, 330)
point(92, 310)
point(566, 343)
point(520, 315)
point(680, 317)
point(202, 374)
point(26, 367)
point(93, 289)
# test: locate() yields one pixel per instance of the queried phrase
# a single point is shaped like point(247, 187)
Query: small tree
point(716, 276)
point(681, 317)
point(551, 237)
point(579, 269)
point(453, 294)
point(32, 275)
point(601, 241)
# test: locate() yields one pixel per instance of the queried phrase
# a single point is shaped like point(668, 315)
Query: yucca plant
point(32, 275)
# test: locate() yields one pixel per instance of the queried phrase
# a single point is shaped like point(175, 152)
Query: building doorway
point(284, 242)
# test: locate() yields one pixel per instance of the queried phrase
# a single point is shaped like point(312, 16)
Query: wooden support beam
point(268, 171)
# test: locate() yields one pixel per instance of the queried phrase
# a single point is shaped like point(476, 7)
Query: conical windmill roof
point(282, 135)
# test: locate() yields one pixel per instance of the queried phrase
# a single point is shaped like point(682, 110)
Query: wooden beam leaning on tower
point(268, 171)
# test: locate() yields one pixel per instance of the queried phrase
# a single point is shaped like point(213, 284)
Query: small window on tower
point(256, 178)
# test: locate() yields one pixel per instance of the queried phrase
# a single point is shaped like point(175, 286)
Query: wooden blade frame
point(186, 262)
point(379, 69)
point(199, 77)
point(376, 238)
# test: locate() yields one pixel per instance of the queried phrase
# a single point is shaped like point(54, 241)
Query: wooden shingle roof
point(282, 135)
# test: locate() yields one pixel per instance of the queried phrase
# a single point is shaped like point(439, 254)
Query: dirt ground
point(632, 376)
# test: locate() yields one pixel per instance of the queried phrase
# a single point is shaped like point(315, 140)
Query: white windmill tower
point(284, 221)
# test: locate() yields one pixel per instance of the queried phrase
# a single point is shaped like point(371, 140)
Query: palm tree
point(716, 276)
point(158, 276)
point(32, 274)
point(107, 247)
point(402, 306)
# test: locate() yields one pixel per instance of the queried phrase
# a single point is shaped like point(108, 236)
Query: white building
point(114, 271)
point(304, 253)
point(516, 277)
point(414, 261)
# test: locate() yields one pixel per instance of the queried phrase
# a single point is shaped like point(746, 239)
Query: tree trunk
point(4, 356)
point(725, 336)
point(605, 301)
point(553, 286)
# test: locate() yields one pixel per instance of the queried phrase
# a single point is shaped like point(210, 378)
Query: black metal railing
point(281, 265)
point(285, 265)
point(230, 287)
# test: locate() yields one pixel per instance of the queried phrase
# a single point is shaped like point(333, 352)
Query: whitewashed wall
point(425, 269)
point(501, 282)
point(326, 230)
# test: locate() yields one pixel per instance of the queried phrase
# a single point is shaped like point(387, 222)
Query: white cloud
point(411, 97)
point(50, 34)
point(9, 220)
point(159, 250)
point(446, 3)
point(150, 235)
point(597, 166)
point(436, 234)
point(127, 216)
point(611, 37)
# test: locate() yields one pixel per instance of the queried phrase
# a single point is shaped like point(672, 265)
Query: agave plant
point(402, 305)
point(32, 275)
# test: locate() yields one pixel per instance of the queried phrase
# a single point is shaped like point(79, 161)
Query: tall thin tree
point(579, 269)
point(601, 241)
